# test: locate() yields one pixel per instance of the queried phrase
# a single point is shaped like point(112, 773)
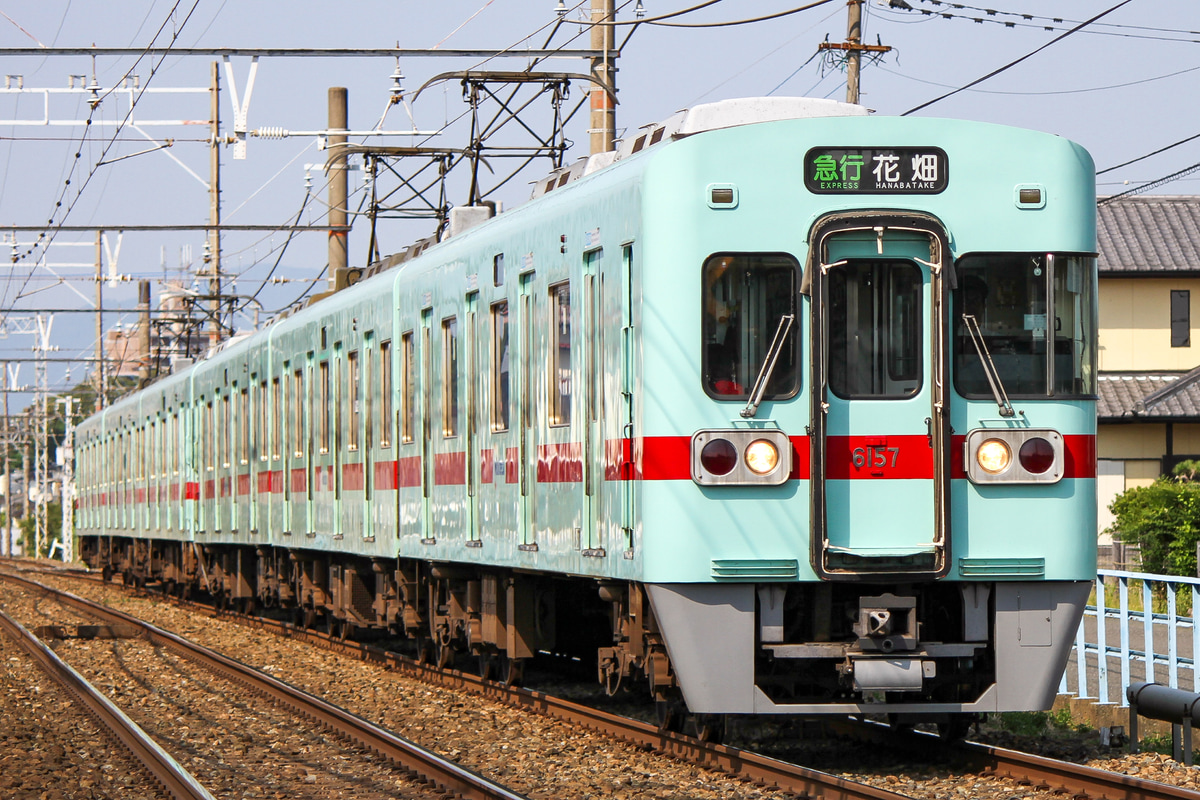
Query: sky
point(1123, 86)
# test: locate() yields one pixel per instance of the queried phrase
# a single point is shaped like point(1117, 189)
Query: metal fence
point(1145, 633)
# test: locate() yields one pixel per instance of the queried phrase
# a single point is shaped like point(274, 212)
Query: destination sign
point(876, 170)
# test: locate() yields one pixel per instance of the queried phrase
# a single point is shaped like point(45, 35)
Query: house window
point(1181, 318)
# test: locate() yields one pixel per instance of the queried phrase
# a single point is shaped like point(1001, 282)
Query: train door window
point(208, 440)
point(450, 377)
point(276, 418)
point(339, 391)
point(368, 367)
point(297, 407)
point(173, 444)
point(226, 434)
point(244, 428)
point(385, 394)
point(875, 329)
point(355, 413)
point(559, 368)
point(408, 389)
point(500, 382)
point(322, 409)
point(262, 445)
point(746, 298)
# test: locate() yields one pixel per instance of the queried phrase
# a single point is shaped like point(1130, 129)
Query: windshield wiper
point(768, 367)
point(989, 369)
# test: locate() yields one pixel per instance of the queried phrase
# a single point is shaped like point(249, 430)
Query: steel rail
point(176, 780)
point(752, 766)
point(1075, 780)
point(448, 776)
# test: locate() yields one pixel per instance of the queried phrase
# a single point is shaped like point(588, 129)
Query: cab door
point(880, 423)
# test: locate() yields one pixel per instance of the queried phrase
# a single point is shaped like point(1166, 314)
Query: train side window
point(355, 398)
point(1007, 295)
point(745, 297)
point(500, 367)
point(385, 394)
point(498, 269)
point(408, 388)
point(559, 368)
point(450, 377)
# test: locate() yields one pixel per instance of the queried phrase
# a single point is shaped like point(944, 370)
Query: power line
point(1174, 176)
point(1148, 155)
point(1011, 64)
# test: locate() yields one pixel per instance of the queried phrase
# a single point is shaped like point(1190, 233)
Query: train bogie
point(780, 408)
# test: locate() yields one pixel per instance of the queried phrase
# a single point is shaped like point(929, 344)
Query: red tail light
point(1036, 455)
point(719, 457)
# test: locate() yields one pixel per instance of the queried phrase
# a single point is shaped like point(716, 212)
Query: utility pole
point(66, 458)
point(339, 185)
point(604, 114)
point(853, 48)
point(8, 485)
point(101, 373)
point(214, 194)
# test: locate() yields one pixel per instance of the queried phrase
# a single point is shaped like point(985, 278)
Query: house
point(1149, 341)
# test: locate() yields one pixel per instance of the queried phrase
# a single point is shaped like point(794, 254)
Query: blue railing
point(1140, 646)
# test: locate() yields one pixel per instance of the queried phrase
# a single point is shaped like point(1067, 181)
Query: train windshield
point(1035, 353)
point(745, 295)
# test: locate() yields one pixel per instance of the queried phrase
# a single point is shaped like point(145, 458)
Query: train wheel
point(445, 656)
point(424, 653)
point(955, 727)
point(487, 666)
point(514, 672)
point(708, 727)
point(107, 573)
point(670, 715)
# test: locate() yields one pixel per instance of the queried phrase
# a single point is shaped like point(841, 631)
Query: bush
point(1163, 519)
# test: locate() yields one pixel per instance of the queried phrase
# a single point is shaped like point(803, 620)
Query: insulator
point(272, 133)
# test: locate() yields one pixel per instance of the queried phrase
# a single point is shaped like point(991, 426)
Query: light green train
point(779, 408)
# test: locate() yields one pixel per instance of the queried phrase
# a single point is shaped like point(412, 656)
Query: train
point(781, 407)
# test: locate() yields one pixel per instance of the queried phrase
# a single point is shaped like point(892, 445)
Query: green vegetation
point(1163, 519)
point(1037, 723)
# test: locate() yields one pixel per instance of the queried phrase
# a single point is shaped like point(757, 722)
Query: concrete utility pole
point(101, 377)
point(214, 193)
point(339, 184)
point(853, 48)
point(143, 338)
point(8, 486)
point(604, 104)
point(66, 458)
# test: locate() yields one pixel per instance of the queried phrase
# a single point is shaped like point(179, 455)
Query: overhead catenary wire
point(1012, 64)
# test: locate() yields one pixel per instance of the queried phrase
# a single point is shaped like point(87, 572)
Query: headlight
point(993, 456)
point(761, 457)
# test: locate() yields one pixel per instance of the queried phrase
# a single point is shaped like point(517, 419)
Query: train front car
point(869, 424)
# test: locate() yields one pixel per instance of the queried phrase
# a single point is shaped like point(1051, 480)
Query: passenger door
point(880, 422)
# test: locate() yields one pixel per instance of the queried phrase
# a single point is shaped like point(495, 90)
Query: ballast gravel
point(545, 758)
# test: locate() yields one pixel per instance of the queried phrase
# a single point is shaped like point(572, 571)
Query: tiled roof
point(1149, 234)
point(1162, 396)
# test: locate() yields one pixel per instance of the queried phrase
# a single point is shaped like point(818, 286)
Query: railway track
point(173, 778)
point(440, 775)
point(1026, 771)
